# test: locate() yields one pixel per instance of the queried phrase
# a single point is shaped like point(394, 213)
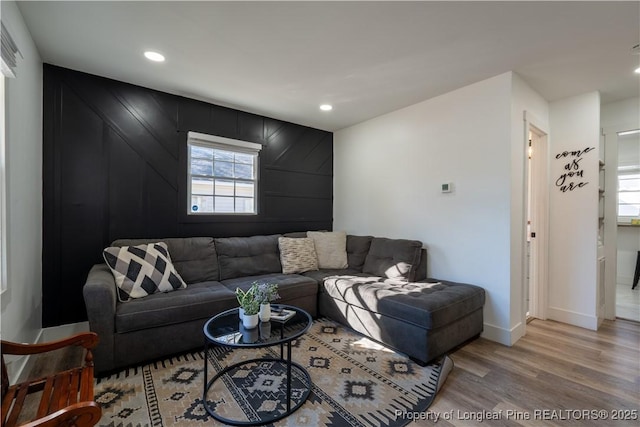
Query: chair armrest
point(79, 414)
point(88, 340)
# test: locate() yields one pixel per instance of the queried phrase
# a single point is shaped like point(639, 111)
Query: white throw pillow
point(331, 248)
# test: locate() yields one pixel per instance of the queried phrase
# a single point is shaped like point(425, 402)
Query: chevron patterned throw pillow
point(142, 270)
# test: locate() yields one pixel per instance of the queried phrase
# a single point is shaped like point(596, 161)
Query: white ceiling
point(283, 59)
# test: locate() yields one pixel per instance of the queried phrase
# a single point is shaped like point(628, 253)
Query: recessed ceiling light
point(638, 70)
point(326, 107)
point(154, 56)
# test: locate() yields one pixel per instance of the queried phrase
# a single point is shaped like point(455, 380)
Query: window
point(222, 175)
point(628, 193)
point(8, 65)
point(3, 226)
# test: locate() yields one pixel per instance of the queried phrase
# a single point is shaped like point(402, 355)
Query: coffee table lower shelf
point(296, 391)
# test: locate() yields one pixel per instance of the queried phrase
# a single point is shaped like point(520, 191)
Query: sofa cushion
point(247, 256)
point(290, 286)
point(357, 250)
point(428, 305)
point(197, 301)
point(331, 248)
point(393, 258)
point(320, 275)
point(195, 258)
point(297, 255)
point(142, 270)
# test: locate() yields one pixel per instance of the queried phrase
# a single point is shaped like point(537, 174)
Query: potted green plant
point(249, 306)
point(265, 293)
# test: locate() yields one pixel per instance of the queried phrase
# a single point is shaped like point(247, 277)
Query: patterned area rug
point(355, 382)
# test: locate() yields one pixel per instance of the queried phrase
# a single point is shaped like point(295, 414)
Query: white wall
point(575, 125)
point(387, 177)
point(623, 114)
point(22, 301)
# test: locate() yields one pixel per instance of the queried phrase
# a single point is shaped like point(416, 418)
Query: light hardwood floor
point(555, 368)
point(628, 302)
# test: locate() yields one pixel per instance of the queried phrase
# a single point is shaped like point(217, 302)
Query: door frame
point(538, 267)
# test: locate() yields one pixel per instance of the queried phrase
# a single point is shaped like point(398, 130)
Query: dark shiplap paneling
point(114, 166)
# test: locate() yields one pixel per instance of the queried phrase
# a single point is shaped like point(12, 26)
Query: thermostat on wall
point(447, 187)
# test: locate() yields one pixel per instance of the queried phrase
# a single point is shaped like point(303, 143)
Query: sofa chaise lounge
point(383, 293)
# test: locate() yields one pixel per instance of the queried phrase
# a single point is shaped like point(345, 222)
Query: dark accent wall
point(115, 167)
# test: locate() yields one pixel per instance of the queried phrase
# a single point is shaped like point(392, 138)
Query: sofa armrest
point(421, 269)
point(100, 299)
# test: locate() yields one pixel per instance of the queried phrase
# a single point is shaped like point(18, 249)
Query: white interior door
point(537, 227)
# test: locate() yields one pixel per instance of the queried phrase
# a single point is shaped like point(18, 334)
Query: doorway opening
point(627, 295)
point(537, 222)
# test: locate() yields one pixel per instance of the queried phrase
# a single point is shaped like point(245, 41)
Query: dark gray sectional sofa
point(406, 311)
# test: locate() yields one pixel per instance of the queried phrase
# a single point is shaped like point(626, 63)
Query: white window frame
point(625, 171)
point(8, 65)
point(3, 192)
point(226, 144)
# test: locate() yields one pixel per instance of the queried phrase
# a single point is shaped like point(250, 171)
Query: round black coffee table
point(226, 330)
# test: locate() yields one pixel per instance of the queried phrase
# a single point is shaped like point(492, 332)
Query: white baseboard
point(18, 363)
point(624, 280)
point(518, 332)
point(54, 333)
point(582, 320)
point(63, 331)
point(503, 336)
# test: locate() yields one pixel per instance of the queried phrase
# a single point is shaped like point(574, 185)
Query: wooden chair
point(66, 398)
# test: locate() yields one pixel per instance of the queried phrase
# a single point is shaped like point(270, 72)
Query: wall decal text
point(573, 176)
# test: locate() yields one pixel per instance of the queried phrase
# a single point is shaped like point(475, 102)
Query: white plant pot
point(265, 312)
point(240, 312)
point(250, 320)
